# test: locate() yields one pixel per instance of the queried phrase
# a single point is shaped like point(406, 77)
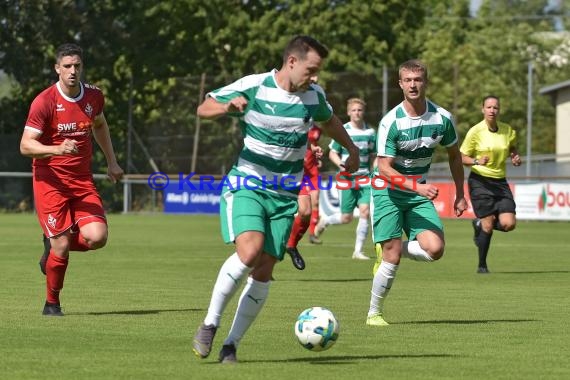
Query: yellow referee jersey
point(480, 142)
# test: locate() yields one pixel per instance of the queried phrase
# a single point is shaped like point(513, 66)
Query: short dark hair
point(413, 65)
point(491, 97)
point(66, 50)
point(301, 45)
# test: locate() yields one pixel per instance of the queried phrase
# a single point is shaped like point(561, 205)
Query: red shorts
point(61, 205)
point(310, 182)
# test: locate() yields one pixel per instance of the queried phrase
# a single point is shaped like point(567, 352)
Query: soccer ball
point(317, 329)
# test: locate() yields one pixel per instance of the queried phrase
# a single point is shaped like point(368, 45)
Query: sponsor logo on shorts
point(51, 221)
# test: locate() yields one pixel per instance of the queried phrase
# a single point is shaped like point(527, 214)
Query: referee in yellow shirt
point(485, 149)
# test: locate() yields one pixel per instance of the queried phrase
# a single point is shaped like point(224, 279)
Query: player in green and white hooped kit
point(275, 111)
point(364, 138)
point(407, 137)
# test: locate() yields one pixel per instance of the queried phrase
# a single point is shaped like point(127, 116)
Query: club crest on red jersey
point(89, 109)
point(51, 221)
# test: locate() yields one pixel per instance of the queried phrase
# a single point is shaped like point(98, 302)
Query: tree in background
point(489, 54)
point(148, 58)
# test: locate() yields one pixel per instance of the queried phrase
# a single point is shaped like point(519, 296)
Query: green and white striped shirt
point(411, 140)
point(364, 139)
point(275, 126)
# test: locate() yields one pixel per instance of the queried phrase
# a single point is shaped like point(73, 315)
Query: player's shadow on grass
point(135, 312)
point(463, 321)
point(347, 359)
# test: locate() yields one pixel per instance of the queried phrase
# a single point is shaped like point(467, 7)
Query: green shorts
point(395, 211)
point(256, 210)
point(350, 198)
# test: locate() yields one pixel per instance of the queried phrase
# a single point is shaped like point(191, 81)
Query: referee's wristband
point(475, 162)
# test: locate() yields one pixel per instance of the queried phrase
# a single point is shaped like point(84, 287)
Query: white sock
point(361, 233)
point(333, 219)
point(381, 286)
point(229, 278)
point(412, 250)
point(250, 303)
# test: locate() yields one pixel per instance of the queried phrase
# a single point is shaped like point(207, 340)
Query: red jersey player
point(308, 213)
point(57, 136)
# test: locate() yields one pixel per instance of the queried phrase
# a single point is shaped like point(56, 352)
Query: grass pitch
point(132, 308)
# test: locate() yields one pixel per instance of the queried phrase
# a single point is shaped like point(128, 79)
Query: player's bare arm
point(31, 147)
point(515, 157)
point(211, 108)
point(372, 162)
point(334, 129)
point(386, 169)
point(317, 151)
point(470, 161)
point(335, 158)
point(102, 136)
point(456, 167)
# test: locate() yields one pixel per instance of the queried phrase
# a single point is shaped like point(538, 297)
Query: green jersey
point(364, 139)
point(411, 140)
point(275, 126)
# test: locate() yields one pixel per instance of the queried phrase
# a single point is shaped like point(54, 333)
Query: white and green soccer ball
point(317, 329)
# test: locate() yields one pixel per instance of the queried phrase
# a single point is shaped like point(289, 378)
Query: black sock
point(497, 225)
point(483, 243)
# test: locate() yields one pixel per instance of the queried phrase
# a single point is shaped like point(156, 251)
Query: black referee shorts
point(490, 195)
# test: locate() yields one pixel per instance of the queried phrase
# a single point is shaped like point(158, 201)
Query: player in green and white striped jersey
point(364, 138)
point(258, 204)
point(407, 137)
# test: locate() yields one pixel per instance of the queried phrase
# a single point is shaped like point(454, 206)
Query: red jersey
point(58, 117)
point(311, 162)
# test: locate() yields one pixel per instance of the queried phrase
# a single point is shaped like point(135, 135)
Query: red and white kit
point(311, 163)
point(63, 185)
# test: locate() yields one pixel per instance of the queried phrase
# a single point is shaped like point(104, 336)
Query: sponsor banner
point(446, 199)
point(535, 201)
point(543, 201)
point(186, 199)
point(329, 202)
